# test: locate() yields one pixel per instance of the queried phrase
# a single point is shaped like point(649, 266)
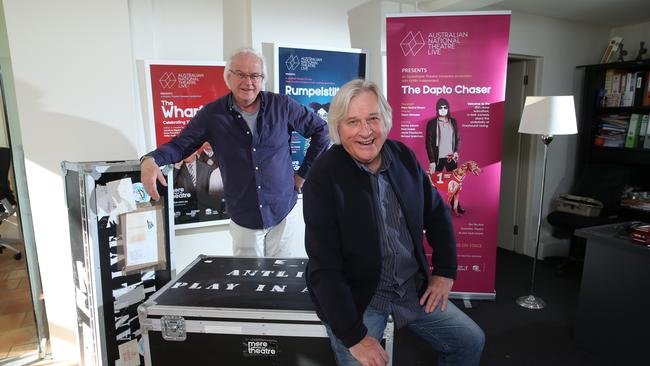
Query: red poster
point(177, 91)
point(446, 85)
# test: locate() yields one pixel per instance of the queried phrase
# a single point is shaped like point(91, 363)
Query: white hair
point(341, 102)
point(243, 51)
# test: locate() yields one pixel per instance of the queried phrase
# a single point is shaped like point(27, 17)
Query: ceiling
point(611, 13)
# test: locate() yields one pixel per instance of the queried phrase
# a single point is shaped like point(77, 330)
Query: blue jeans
point(455, 336)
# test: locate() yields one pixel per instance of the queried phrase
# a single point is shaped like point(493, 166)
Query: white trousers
point(272, 242)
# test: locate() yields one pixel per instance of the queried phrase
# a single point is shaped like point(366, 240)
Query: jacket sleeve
point(185, 143)
point(325, 271)
point(439, 231)
point(430, 140)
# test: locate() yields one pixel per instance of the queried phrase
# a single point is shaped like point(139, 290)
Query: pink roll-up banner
point(446, 85)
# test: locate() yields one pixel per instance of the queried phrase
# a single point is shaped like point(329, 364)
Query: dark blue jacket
point(341, 234)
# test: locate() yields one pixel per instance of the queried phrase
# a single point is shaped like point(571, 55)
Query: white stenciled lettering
point(278, 288)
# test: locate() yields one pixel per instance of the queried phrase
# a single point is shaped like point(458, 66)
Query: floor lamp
point(545, 116)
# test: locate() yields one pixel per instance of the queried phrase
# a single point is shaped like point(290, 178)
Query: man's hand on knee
point(369, 352)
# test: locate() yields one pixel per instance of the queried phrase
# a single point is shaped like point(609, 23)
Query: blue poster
point(312, 77)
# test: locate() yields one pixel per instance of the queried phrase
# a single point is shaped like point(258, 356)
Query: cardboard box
point(577, 205)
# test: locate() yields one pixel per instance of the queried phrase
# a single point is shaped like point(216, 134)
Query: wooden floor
point(17, 328)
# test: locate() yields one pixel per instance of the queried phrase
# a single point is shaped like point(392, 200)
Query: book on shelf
point(643, 130)
point(621, 120)
point(632, 137)
point(646, 142)
point(640, 78)
point(612, 130)
point(613, 88)
point(646, 93)
point(628, 87)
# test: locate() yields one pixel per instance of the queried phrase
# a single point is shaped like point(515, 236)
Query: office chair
point(602, 182)
point(7, 200)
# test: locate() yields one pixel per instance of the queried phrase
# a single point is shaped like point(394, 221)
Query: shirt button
point(254, 149)
point(238, 116)
point(260, 206)
point(259, 187)
point(257, 168)
point(248, 132)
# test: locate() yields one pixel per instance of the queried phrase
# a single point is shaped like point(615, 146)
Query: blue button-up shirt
point(256, 167)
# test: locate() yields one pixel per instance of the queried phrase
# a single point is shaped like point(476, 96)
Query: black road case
point(237, 311)
point(103, 198)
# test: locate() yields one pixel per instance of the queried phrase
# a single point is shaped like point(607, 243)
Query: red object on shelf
point(599, 141)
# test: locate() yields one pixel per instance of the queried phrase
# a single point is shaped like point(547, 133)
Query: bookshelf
point(612, 128)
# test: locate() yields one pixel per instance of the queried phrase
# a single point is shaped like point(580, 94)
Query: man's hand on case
point(149, 173)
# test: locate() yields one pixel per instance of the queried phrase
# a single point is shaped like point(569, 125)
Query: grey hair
point(243, 51)
point(341, 102)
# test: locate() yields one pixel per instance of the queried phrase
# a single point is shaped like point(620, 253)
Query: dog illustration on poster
point(454, 183)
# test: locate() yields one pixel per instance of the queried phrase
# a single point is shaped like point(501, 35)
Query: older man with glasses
point(249, 130)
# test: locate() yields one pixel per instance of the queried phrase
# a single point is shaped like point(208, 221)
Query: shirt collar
point(231, 101)
point(386, 160)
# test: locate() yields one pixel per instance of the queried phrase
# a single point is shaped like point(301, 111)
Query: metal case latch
point(173, 328)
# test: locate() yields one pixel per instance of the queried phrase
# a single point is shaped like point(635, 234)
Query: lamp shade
point(549, 116)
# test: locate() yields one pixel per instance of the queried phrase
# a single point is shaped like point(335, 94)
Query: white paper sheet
point(129, 353)
point(141, 238)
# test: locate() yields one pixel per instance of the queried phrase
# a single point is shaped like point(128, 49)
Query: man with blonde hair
point(366, 204)
point(249, 130)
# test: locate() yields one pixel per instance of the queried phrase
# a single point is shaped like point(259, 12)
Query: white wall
point(177, 30)
point(309, 22)
point(632, 36)
point(73, 77)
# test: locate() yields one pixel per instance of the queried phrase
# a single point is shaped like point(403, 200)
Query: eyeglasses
point(255, 77)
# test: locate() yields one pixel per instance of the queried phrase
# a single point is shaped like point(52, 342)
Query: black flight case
point(237, 311)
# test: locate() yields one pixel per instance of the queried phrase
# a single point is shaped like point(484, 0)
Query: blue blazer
point(342, 237)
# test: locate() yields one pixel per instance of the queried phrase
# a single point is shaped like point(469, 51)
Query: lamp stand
point(531, 301)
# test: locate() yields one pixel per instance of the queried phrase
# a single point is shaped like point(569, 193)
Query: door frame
point(521, 197)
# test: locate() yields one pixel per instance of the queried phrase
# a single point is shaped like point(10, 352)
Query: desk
point(613, 317)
